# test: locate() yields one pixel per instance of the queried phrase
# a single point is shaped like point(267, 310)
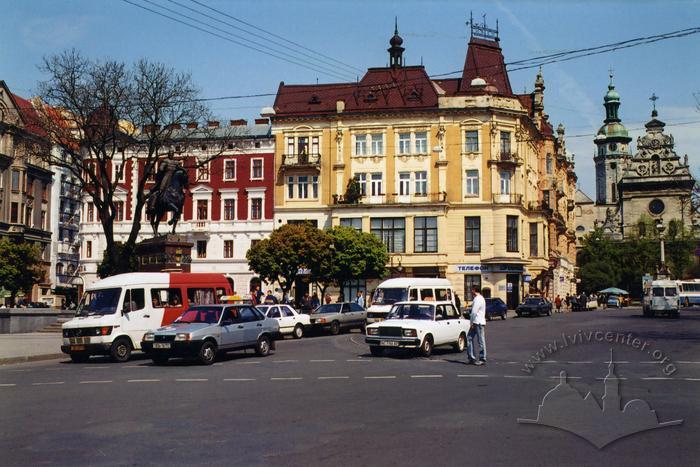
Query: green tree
point(20, 266)
point(353, 192)
point(127, 252)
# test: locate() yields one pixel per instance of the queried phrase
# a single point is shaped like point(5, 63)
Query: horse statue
point(168, 194)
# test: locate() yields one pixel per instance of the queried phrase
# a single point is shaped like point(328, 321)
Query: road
point(325, 401)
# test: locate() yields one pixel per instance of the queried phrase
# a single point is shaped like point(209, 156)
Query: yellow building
point(450, 170)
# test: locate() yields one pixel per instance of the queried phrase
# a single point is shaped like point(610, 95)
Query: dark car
point(534, 306)
point(494, 307)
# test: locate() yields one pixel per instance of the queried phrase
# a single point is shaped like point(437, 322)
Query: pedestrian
point(557, 303)
point(458, 303)
point(315, 302)
point(270, 299)
point(477, 328)
point(254, 298)
point(360, 299)
point(341, 297)
point(259, 295)
point(306, 303)
point(328, 299)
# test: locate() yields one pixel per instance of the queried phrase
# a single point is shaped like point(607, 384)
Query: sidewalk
point(17, 348)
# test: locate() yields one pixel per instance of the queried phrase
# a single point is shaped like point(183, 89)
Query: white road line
point(284, 361)
point(618, 361)
point(191, 380)
point(247, 363)
point(321, 361)
point(95, 367)
point(567, 377)
point(686, 362)
point(653, 378)
point(293, 378)
point(239, 379)
point(653, 361)
point(380, 377)
point(7, 385)
point(692, 379)
point(333, 377)
point(48, 384)
point(549, 361)
point(584, 361)
point(357, 360)
point(516, 376)
point(137, 366)
point(603, 379)
point(512, 363)
point(426, 376)
point(472, 376)
point(96, 382)
point(142, 380)
point(18, 371)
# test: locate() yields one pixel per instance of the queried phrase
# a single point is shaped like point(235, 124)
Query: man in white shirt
point(477, 328)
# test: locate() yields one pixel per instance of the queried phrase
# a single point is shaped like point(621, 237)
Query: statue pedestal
point(165, 253)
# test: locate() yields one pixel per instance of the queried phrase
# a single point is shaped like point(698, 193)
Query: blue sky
point(357, 33)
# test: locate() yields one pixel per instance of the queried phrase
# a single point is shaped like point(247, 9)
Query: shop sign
point(471, 268)
point(510, 287)
point(507, 268)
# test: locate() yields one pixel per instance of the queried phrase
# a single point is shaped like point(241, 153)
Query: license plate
point(161, 345)
point(79, 340)
point(388, 343)
point(77, 347)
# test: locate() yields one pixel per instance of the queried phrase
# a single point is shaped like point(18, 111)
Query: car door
point(276, 313)
point(441, 333)
point(454, 323)
point(231, 328)
point(252, 325)
point(138, 315)
point(290, 316)
point(359, 314)
point(345, 318)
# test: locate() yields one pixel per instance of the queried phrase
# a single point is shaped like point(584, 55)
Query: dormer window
point(370, 97)
point(314, 99)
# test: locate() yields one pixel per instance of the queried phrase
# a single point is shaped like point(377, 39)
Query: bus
point(690, 292)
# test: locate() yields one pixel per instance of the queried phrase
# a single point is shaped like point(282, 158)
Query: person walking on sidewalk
point(477, 328)
point(557, 303)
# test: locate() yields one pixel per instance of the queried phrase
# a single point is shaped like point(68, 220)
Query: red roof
point(527, 102)
point(485, 60)
point(29, 116)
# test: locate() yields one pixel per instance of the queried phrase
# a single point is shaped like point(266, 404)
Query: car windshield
point(330, 308)
point(658, 291)
point(209, 315)
point(671, 292)
point(389, 296)
point(100, 302)
point(412, 311)
point(532, 301)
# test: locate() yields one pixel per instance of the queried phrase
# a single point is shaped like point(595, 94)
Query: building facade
point(453, 172)
point(229, 204)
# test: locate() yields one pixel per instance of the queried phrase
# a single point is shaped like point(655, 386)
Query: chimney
point(261, 121)
point(239, 122)
point(174, 126)
point(213, 124)
point(192, 125)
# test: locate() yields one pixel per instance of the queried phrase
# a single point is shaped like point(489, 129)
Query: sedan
point(494, 307)
point(289, 320)
point(337, 316)
point(534, 306)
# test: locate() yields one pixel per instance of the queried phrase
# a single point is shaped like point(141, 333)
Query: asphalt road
point(325, 401)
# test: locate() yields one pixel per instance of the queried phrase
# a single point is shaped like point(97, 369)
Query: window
point(471, 141)
point(303, 186)
point(512, 233)
point(43, 221)
point(425, 234)
point(88, 249)
point(549, 163)
point(30, 186)
point(391, 231)
point(351, 287)
point(90, 212)
point(201, 296)
point(470, 280)
point(505, 144)
point(119, 211)
point(290, 146)
point(201, 248)
point(362, 180)
point(314, 186)
point(228, 248)
point(404, 183)
point(360, 145)
point(15, 180)
point(203, 172)
point(229, 209)
point(14, 213)
point(472, 177)
point(377, 144)
point(533, 239)
point(404, 143)
point(202, 209)
point(315, 145)
point(302, 146)
point(545, 198)
point(134, 300)
point(290, 187)
point(230, 169)
point(59, 269)
point(376, 184)
point(29, 213)
point(472, 234)
point(256, 207)
point(257, 169)
point(166, 297)
point(354, 222)
point(118, 172)
point(505, 182)
point(45, 191)
point(422, 142)
point(421, 183)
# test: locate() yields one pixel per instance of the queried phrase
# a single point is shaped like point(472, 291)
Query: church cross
point(610, 73)
point(653, 99)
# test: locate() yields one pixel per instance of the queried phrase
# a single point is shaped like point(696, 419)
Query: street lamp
point(398, 268)
point(663, 273)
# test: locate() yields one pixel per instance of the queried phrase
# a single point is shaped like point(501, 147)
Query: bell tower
point(396, 51)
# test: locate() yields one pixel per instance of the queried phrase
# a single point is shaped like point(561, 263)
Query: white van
point(117, 311)
point(407, 289)
point(662, 297)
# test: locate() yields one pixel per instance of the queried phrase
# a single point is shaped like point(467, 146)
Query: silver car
point(338, 316)
point(205, 330)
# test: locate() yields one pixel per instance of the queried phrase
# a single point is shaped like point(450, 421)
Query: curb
point(31, 358)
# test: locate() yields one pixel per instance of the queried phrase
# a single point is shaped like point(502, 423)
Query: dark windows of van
point(441, 294)
point(671, 292)
point(161, 298)
point(413, 294)
point(658, 291)
point(200, 296)
point(134, 300)
point(426, 294)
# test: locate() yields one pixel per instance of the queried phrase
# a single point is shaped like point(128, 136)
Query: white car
point(289, 320)
point(419, 325)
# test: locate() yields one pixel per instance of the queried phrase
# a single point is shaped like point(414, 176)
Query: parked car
point(290, 321)
point(494, 307)
point(338, 316)
point(205, 330)
point(420, 326)
point(614, 301)
point(662, 297)
point(534, 306)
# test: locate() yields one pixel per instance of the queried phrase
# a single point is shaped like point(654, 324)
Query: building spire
point(653, 100)
point(396, 51)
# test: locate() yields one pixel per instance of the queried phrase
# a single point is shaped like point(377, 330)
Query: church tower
point(612, 149)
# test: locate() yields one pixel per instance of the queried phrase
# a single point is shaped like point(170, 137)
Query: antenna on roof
point(421, 60)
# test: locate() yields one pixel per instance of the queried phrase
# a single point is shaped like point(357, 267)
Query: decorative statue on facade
point(168, 193)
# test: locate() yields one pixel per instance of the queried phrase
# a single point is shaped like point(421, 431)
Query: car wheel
point(363, 328)
point(335, 328)
point(426, 348)
point(262, 347)
point(503, 315)
point(298, 332)
point(160, 359)
point(461, 343)
point(375, 350)
point(488, 317)
point(207, 353)
point(549, 312)
point(120, 351)
point(519, 315)
point(79, 357)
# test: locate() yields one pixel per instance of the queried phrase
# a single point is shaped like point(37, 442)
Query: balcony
point(395, 198)
point(506, 158)
point(304, 160)
point(200, 225)
point(507, 198)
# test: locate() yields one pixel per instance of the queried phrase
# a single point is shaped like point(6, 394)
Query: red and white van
point(117, 311)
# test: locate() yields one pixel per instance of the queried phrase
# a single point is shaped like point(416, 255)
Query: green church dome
point(613, 130)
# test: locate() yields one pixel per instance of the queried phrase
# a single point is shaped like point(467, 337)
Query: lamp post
point(398, 268)
point(662, 273)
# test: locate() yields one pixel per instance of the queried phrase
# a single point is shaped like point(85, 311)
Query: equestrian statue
point(167, 194)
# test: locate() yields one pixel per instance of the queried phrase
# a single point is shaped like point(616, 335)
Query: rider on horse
point(167, 193)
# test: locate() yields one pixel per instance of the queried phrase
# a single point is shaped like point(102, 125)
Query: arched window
point(59, 269)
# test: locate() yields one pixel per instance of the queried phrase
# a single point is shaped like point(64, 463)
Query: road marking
point(583, 361)
point(284, 361)
point(293, 378)
point(512, 363)
point(653, 361)
point(685, 361)
point(548, 361)
point(47, 384)
point(472, 376)
point(18, 371)
point(56, 369)
point(651, 378)
point(426, 376)
point(600, 379)
point(7, 385)
point(516, 376)
point(239, 379)
point(333, 377)
point(380, 377)
point(321, 361)
point(247, 363)
point(134, 366)
point(191, 380)
point(95, 367)
point(618, 361)
point(142, 380)
point(357, 360)
point(96, 382)
point(692, 379)
point(568, 377)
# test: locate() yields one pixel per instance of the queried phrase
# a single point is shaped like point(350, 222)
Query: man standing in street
point(477, 328)
point(360, 299)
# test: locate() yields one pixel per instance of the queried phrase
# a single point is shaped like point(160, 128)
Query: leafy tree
point(20, 266)
point(353, 192)
point(105, 269)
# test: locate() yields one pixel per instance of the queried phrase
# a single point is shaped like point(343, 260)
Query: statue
point(168, 193)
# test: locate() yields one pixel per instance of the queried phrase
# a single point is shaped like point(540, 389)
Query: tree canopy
point(20, 266)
